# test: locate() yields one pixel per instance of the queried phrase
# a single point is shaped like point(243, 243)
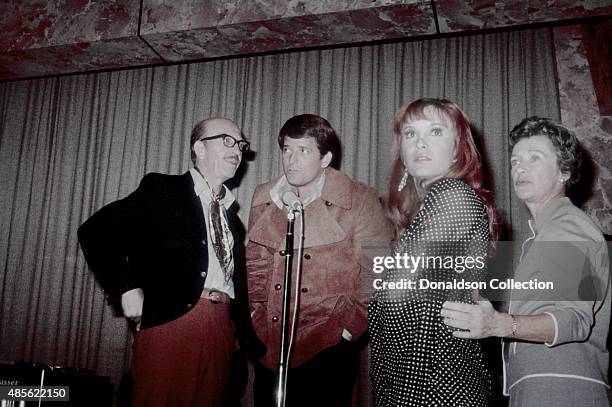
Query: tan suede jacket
point(345, 228)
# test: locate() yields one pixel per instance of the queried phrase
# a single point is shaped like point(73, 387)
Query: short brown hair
point(311, 125)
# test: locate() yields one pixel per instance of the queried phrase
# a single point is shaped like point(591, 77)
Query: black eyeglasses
point(229, 142)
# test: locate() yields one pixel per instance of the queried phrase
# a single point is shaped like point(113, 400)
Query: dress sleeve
point(449, 238)
point(452, 213)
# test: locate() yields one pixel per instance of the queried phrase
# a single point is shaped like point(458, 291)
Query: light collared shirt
point(215, 278)
point(283, 185)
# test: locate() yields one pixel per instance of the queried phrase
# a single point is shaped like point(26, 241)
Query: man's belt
point(216, 297)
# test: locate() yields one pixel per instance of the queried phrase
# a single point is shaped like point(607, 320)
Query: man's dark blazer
point(155, 239)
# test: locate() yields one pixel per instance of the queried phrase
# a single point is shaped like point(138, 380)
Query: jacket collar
point(336, 191)
point(323, 227)
point(202, 190)
point(550, 209)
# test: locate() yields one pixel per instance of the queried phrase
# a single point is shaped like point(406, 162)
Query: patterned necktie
point(219, 240)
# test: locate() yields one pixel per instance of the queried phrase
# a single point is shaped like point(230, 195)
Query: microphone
point(290, 199)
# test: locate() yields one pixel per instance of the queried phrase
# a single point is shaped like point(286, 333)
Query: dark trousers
point(325, 380)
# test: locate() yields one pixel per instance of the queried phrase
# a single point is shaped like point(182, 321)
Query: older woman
point(440, 210)
point(555, 347)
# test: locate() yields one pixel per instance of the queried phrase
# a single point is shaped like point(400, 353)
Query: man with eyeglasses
point(171, 257)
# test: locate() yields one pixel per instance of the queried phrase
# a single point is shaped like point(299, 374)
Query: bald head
point(205, 128)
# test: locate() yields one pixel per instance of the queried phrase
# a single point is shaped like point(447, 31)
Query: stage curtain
point(70, 144)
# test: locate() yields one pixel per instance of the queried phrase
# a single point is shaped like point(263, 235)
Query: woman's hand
point(477, 321)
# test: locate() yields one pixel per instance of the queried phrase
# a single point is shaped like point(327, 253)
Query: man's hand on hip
point(131, 303)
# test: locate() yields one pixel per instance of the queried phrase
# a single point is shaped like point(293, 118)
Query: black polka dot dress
point(415, 359)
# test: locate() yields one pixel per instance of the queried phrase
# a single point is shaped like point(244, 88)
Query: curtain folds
point(69, 145)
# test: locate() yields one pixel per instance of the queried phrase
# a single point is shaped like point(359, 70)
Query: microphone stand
point(281, 395)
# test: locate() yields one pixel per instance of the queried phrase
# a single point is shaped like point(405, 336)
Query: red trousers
point(185, 362)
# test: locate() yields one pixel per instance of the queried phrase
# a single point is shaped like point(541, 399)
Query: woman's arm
point(482, 321)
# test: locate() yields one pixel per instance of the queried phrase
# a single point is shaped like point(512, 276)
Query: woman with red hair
point(443, 217)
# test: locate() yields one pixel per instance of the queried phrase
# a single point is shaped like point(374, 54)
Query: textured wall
point(184, 30)
point(37, 24)
point(460, 15)
point(580, 112)
point(53, 37)
point(63, 36)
